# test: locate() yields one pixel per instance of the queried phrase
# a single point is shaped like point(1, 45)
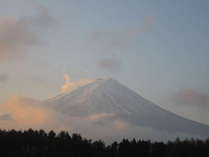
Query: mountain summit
point(109, 97)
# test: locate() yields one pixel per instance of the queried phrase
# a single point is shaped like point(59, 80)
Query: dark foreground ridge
point(33, 143)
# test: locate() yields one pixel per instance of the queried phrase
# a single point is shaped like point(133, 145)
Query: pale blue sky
point(154, 47)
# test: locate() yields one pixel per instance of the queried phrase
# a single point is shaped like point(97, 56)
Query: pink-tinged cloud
point(26, 112)
point(70, 85)
point(192, 97)
point(120, 124)
point(99, 116)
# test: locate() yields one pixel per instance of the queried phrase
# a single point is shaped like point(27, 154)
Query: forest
point(38, 143)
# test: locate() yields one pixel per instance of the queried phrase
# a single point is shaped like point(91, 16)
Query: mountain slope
point(112, 98)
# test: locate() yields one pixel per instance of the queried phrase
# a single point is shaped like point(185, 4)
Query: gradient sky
point(158, 48)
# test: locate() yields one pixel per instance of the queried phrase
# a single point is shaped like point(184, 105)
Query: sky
point(157, 48)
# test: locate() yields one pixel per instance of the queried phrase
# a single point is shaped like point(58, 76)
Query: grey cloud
point(6, 117)
point(192, 97)
point(110, 64)
point(116, 40)
point(18, 34)
point(4, 77)
point(122, 39)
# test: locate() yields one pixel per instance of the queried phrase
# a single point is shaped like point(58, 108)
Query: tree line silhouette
point(38, 143)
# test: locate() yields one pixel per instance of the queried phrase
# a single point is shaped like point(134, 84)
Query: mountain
point(109, 99)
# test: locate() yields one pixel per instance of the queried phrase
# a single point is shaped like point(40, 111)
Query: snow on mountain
point(108, 99)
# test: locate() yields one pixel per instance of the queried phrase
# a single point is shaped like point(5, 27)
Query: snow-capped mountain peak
point(109, 97)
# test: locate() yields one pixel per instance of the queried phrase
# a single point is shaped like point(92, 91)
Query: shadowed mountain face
point(119, 102)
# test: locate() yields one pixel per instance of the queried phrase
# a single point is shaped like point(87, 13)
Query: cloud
point(4, 77)
point(100, 116)
point(70, 85)
point(120, 124)
point(5, 117)
point(192, 97)
point(19, 33)
point(110, 64)
point(114, 121)
point(113, 40)
point(26, 112)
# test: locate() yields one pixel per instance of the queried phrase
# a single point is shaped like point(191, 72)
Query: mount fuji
point(106, 101)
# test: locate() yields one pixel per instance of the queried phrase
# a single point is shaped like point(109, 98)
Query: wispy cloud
point(19, 33)
point(70, 85)
point(100, 116)
point(192, 97)
point(115, 41)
